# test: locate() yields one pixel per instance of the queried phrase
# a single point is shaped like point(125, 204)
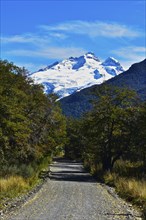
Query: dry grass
point(110, 178)
point(129, 179)
point(130, 169)
point(19, 180)
point(13, 185)
point(132, 189)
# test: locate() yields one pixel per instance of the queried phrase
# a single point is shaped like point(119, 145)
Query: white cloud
point(15, 39)
point(50, 52)
point(31, 67)
point(26, 38)
point(35, 39)
point(131, 52)
point(94, 29)
point(130, 55)
point(53, 42)
point(26, 65)
point(58, 35)
point(62, 53)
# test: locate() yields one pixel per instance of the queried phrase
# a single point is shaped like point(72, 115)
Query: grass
point(19, 180)
point(129, 180)
point(130, 188)
point(13, 185)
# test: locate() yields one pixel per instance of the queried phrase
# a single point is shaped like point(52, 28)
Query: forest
point(110, 139)
point(32, 130)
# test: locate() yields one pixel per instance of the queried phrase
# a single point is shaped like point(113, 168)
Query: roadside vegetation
point(111, 141)
point(32, 131)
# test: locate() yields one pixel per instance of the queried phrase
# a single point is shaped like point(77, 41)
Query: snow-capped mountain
point(73, 74)
point(134, 78)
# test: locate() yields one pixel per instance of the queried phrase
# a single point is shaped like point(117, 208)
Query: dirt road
point(72, 194)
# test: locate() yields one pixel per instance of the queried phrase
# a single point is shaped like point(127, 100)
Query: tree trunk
point(107, 164)
point(116, 158)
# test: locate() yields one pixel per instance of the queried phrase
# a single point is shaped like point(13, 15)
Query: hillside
point(134, 78)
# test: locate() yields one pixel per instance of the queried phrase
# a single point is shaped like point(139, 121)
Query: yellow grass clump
point(132, 189)
point(13, 185)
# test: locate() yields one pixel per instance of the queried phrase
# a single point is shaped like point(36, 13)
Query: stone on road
point(72, 194)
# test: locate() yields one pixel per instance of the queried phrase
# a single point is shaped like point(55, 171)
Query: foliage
point(73, 147)
point(108, 129)
point(114, 129)
point(31, 123)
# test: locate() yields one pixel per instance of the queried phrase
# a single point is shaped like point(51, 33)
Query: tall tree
point(74, 147)
point(31, 123)
point(109, 127)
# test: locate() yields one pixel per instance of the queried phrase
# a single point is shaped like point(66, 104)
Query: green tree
point(31, 123)
point(108, 129)
point(74, 147)
point(140, 136)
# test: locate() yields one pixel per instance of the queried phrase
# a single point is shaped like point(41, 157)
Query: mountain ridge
point(134, 78)
point(76, 73)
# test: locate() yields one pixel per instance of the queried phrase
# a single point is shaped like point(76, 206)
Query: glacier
point(76, 73)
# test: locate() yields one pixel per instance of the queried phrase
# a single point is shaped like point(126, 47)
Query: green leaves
point(108, 131)
point(31, 123)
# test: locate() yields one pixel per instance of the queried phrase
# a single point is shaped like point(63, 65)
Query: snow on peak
point(110, 61)
point(91, 55)
point(112, 66)
point(75, 73)
point(79, 63)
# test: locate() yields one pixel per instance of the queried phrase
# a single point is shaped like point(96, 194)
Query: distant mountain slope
point(76, 73)
point(134, 78)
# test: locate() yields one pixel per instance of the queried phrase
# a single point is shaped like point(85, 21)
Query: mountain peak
point(75, 73)
point(134, 78)
point(110, 61)
point(91, 55)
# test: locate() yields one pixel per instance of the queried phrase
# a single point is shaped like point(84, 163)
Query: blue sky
point(36, 33)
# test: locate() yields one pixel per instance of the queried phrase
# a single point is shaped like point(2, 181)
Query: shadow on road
point(68, 170)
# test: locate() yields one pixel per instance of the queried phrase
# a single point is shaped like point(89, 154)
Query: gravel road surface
point(72, 194)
